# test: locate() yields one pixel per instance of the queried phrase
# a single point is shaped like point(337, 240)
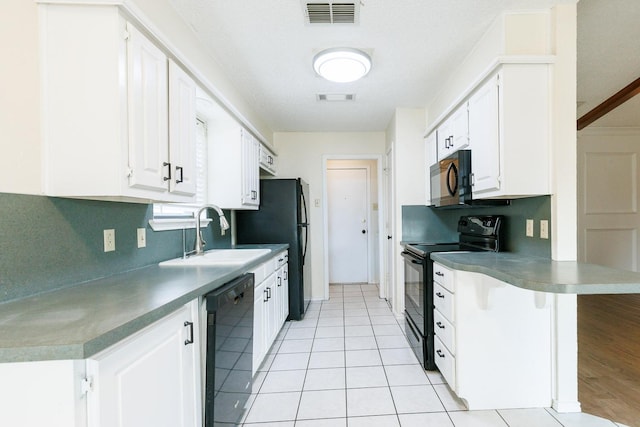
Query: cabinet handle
point(286, 275)
point(167, 178)
point(190, 339)
point(266, 296)
point(279, 281)
point(440, 353)
point(268, 293)
point(440, 325)
point(439, 273)
point(181, 179)
point(439, 295)
point(473, 179)
point(254, 194)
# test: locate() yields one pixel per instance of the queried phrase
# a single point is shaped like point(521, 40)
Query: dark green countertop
point(80, 321)
point(543, 275)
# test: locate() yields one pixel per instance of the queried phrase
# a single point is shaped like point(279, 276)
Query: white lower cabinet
point(493, 341)
point(271, 298)
point(153, 377)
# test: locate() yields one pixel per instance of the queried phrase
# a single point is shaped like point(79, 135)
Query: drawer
point(443, 276)
point(445, 362)
point(282, 258)
point(445, 331)
point(443, 301)
point(259, 273)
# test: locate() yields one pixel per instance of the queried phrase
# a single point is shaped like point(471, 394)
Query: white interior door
point(348, 228)
point(608, 178)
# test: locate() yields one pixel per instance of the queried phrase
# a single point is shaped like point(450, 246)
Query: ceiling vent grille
point(330, 13)
point(335, 97)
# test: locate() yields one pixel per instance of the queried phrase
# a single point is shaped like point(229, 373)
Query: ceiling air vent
point(336, 97)
point(330, 12)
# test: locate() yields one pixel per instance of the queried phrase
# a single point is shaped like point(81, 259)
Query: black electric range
point(477, 233)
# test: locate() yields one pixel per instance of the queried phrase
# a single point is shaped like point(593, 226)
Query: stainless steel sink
point(218, 257)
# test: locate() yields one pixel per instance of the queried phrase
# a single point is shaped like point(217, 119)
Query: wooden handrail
point(614, 101)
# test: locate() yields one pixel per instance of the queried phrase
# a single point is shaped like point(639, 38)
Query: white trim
point(176, 223)
point(325, 227)
point(609, 130)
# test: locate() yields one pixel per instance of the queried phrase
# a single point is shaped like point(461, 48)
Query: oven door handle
point(409, 256)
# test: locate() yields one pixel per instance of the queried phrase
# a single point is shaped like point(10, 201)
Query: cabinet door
point(250, 173)
point(152, 379)
point(460, 128)
point(444, 137)
point(484, 135)
point(182, 131)
point(148, 115)
point(270, 315)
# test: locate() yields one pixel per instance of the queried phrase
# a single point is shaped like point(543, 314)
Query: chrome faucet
point(224, 225)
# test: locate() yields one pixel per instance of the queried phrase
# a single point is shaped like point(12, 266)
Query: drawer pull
point(439, 295)
point(190, 339)
point(439, 273)
point(440, 353)
point(440, 325)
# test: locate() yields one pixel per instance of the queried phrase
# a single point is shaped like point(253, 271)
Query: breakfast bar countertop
point(543, 275)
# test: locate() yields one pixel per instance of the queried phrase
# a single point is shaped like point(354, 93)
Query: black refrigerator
point(282, 218)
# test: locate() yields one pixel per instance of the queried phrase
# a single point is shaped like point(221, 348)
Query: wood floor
point(609, 356)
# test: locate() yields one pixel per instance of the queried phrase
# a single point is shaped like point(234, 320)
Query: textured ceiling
point(266, 49)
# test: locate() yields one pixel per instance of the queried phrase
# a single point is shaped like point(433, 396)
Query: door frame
point(325, 221)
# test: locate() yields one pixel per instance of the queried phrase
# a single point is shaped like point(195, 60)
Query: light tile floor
point(348, 364)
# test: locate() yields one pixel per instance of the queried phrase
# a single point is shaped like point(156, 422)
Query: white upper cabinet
point(484, 134)
point(453, 134)
point(268, 160)
point(109, 108)
point(509, 125)
point(182, 131)
point(147, 97)
point(234, 178)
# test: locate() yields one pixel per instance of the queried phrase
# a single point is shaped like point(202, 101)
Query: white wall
point(300, 154)
point(405, 135)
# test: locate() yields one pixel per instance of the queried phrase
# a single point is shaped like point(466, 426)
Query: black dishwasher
point(229, 356)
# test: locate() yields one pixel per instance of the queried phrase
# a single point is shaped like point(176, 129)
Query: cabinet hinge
point(126, 35)
point(129, 172)
point(86, 385)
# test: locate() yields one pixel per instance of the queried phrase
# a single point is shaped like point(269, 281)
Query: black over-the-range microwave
point(451, 180)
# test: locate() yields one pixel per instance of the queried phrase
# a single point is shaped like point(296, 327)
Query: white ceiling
point(266, 49)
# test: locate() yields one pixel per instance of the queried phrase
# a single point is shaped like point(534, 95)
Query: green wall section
point(50, 243)
point(427, 224)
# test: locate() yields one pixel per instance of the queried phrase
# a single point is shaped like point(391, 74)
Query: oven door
point(414, 289)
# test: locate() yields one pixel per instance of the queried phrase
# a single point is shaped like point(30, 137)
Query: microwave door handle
point(452, 170)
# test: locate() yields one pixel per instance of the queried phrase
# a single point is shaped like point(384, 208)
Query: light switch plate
point(529, 231)
point(109, 240)
point(544, 229)
point(142, 237)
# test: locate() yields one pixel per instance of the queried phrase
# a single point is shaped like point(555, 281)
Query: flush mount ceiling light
point(342, 65)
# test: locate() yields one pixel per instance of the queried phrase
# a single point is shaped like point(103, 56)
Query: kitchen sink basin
point(218, 257)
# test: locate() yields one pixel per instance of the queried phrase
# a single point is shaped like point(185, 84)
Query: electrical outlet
point(109, 240)
point(544, 229)
point(529, 231)
point(316, 203)
point(142, 237)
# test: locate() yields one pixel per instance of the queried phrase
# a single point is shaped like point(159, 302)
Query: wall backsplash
point(426, 224)
point(49, 243)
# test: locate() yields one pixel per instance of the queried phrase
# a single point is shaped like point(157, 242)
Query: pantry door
point(347, 192)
